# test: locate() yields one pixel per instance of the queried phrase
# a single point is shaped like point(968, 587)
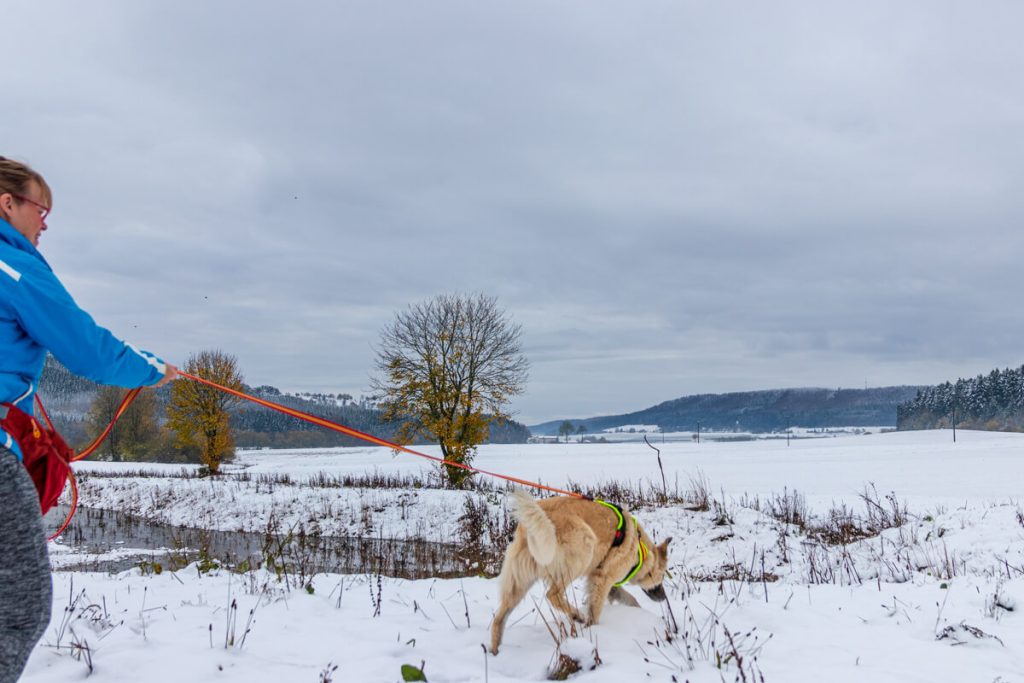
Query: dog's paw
point(621, 596)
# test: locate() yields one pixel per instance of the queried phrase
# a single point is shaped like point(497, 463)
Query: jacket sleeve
point(51, 317)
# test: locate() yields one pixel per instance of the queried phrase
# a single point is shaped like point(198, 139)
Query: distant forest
point(993, 402)
point(760, 411)
point(68, 398)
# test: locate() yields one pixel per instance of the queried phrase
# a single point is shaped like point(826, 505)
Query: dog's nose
point(656, 593)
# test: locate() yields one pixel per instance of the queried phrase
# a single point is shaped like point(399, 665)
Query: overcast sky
point(670, 197)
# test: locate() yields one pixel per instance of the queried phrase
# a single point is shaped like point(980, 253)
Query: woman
point(38, 315)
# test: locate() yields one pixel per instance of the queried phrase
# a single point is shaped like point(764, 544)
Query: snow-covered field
point(940, 597)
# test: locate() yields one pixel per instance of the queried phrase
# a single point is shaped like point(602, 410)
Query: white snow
point(937, 599)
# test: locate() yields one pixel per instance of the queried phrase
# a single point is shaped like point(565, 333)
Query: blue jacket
point(38, 315)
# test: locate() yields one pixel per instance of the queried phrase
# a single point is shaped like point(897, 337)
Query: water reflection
point(98, 532)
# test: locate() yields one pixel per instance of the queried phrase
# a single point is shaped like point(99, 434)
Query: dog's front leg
point(598, 588)
point(620, 595)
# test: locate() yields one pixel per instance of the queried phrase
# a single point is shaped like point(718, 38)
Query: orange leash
point(327, 424)
point(85, 453)
point(334, 426)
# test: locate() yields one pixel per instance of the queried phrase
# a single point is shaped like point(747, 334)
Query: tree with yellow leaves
point(198, 414)
point(447, 368)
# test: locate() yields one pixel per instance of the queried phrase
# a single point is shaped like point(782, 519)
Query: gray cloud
point(671, 198)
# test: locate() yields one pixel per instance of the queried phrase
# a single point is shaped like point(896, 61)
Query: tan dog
point(562, 539)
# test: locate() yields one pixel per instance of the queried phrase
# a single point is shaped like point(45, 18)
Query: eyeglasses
point(44, 211)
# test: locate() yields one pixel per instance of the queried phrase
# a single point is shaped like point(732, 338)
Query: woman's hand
point(170, 375)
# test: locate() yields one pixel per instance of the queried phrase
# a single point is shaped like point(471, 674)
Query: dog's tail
point(537, 527)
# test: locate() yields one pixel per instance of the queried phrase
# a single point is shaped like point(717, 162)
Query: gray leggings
point(26, 589)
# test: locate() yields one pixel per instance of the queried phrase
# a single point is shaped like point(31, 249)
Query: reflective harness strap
point(620, 528)
point(641, 553)
point(620, 537)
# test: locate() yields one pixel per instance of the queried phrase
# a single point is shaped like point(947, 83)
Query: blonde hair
point(15, 177)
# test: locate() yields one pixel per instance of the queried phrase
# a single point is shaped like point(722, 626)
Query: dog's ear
point(663, 546)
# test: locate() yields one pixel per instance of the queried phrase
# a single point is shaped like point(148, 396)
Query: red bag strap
point(84, 453)
point(42, 410)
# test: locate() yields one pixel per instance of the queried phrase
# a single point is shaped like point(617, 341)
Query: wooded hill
point(993, 402)
point(759, 411)
point(68, 397)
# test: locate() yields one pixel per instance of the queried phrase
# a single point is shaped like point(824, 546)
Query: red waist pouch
point(45, 454)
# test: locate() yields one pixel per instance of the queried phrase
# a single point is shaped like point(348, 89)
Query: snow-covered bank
point(169, 628)
point(924, 469)
point(938, 598)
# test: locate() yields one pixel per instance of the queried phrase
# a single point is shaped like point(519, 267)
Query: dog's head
point(655, 566)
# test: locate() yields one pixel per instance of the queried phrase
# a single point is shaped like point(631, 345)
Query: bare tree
point(447, 367)
point(565, 429)
point(134, 434)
